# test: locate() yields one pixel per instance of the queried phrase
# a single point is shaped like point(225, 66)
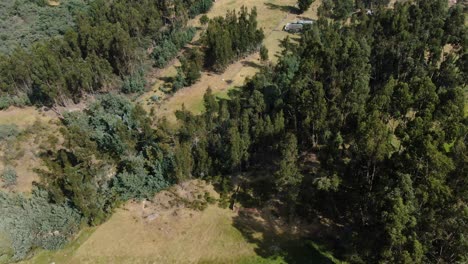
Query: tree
point(304, 5)
point(288, 177)
point(191, 65)
point(232, 36)
point(204, 20)
point(183, 162)
point(263, 53)
point(235, 147)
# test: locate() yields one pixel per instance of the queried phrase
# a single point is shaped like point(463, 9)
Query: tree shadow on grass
point(265, 230)
point(251, 64)
point(284, 8)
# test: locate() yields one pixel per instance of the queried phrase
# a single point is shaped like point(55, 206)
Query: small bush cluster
point(199, 7)
point(8, 176)
point(8, 131)
point(17, 100)
point(134, 83)
point(28, 223)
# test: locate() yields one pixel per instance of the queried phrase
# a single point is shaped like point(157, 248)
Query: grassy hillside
point(153, 232)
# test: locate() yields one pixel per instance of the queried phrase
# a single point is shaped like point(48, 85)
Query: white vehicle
point(293, 27)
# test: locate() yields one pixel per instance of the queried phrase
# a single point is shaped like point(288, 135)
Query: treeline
point(231, 37)
point(105, 45)
point(342, 9)
point(225, 40)
point(362, 124)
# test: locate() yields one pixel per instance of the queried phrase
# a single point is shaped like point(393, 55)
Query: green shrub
point(169, 45)
point(154, 98)
point(191, 65)
point(9, 176)
point(17, 100)
point(179, 81)
point(134, 83)
point(8, 131)
point(29, 223)
point(263, 53)
point(204, 20)
point(199, 7)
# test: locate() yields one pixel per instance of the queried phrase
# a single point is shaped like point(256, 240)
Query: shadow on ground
point(263, 229)
point(251, 64)
point(283, 8)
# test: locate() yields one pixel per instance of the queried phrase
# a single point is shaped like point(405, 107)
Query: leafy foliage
point(8, 131)
point(200, 7)
point(263, 53)
point(33, 222)
point(231, 37)
point(357, 123)
point(111, 154)
point(169, 46)
point(24, 22)
point(8, 176)
point(106, 43)
point(304, 4)
point(134, 83)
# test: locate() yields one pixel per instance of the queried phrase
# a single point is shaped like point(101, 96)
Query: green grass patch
point(199, 106)
point(64, 254)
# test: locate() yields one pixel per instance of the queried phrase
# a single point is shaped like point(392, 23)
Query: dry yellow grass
point(164, 230)
point(26, 148)
point(53, 3)
point(193, 238)
point(176, 235)
point(22, 117)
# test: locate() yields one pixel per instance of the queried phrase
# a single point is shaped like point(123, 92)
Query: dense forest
point(361, 121)
point(363, 124)
point(107, 44)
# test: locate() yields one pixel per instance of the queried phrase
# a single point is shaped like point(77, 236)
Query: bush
point(179, 81)
point(154, 98)
point(29, 223)
point(134, 83)
point(9, 177)
point(199, 7)
point(170, 44)
point(17, 100)
point(8, 131)
point(204, 20)
point(304, 5)
point(263, 53)
point(190, 70)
